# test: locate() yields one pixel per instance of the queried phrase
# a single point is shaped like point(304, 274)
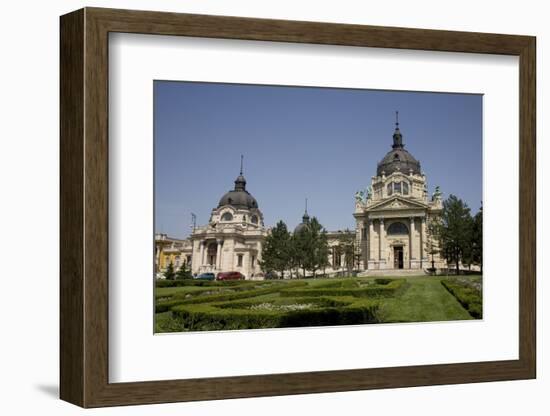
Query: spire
point(305, 218)
point(397, 136)
point(240, 182)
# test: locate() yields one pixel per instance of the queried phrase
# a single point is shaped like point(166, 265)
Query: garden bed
point(274, 314)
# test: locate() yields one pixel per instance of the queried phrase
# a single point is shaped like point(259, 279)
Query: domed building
point(392, 226)
point(392, 215)
point(232, 239)
point(304, 224)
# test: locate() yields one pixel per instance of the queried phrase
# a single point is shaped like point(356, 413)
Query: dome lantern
point(398, 159)
point(397, 136)
point(239, 197)
point(304, 224)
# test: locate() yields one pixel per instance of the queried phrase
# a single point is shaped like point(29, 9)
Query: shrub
point(276, 304)
point(201, 317)
point(171, 283)
point(469, 297)
point(169, 273)
point(387, 290)
point(184, 273)
point(247, 290)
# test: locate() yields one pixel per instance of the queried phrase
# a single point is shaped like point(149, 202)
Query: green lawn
point(425, 300)
point(268, 304)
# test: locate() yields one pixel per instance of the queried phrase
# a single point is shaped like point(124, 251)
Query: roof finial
point(305, 217)
point(397, 136)
point(241, 165)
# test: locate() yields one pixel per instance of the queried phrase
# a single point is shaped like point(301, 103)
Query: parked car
point(206, 276)
point(230, 276)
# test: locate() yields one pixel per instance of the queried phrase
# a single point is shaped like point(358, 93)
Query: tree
point(322, 251)
point(337, 254)
point(184, 272)
point(455, 230)
point(301, 242)
point(310, 248)
point(431, 243)
point(295, 255)
point(169, 272)
point(477, 239)
point(468, 250)
point(276, 250)
point(346, 248)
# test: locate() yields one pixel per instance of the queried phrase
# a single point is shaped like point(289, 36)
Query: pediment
point(397, 203)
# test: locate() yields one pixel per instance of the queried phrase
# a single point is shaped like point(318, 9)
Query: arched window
point(398, 228)
point(390, 189)
point(254, 219)
point(397, 187)
point(405, 188)
point(227, 216)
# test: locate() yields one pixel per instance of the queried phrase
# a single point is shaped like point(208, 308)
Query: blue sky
point(297, 142)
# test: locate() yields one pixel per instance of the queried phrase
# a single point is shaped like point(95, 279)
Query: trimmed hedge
point(318, 302)
point(195, 282)
point(374, 290)
point(338, 283)
point(166, 305)
point(382, 281)
point(205, 317)
point(468, 297)
point(341, 302)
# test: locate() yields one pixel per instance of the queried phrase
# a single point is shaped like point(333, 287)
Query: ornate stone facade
point(393, 214)
point(232, 240)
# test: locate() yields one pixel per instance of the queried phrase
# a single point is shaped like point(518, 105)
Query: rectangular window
point(239, 260)
point(253, 261)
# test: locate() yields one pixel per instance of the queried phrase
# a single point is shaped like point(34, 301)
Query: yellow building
point(171, 250)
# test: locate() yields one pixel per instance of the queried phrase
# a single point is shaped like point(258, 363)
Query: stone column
point(201, 254)
point(246, 265)
point(411, 238)
point(422, 242)
point(366, 247)
point(359, 243)
point(157, 258)
point(204, 260)
point(219, 254)
point(370, 238)
point(382, 245)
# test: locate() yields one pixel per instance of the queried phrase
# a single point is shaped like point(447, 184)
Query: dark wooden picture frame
point(84, 207)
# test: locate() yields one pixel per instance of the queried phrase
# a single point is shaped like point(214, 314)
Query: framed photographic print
point(255, 207)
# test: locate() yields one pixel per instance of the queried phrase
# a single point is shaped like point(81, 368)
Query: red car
point(230, 276)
